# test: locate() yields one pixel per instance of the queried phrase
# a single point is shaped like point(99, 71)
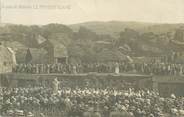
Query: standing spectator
point(117, 68)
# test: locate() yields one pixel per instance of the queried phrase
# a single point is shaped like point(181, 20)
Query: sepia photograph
point(91, 58)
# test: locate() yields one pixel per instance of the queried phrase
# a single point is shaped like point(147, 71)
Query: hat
point(126, 101)
point(10, 112)
point(173, 96)
point(132, 108)
point(181, 112)
point(174, 110)
point(151, 115)
point(30, 114)
point(161, 99)
point(131, 113)
point(42, 115)
point(19, 112)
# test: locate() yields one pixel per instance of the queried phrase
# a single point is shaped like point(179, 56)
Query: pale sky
point(76, 11)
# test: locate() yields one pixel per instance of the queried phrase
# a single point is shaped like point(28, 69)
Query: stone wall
point(79, 80)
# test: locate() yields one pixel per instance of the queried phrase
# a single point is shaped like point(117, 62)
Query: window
point(4, 63)
point(61, 60)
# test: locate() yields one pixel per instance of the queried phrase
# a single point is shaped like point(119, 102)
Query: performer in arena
point(117, 68)
point(55, 86)
point(74, 69)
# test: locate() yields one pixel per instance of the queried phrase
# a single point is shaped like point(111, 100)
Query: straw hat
point(10, 112)
point(19, 112)
point(30, 114)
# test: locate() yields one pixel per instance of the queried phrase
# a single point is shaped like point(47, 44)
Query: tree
point(28, 56)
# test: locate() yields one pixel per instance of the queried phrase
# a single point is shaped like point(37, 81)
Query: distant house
point(177, 46)
point(111, 55)
point(47, 51)
point(177, 43)
point(57, 52)
point(7, 59)
point(60, 54)
point(32, 55)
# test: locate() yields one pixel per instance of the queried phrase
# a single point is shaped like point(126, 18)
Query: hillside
point(115, 27)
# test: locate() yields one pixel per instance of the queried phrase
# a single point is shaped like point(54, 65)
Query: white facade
point(7, 59)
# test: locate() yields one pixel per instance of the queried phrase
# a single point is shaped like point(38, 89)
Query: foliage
point(97, 41)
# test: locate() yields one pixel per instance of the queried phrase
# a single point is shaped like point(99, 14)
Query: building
point(7, 59)
point(46, 52)
point(32, 55)
point(60, 54)
point(177, 45)
point(57, 52)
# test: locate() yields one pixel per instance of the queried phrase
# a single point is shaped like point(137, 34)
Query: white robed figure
point(74, 69)
point(117, 68)
point(181, 70)
point(55, 86)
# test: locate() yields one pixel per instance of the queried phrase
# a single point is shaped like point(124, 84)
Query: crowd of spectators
point(124, 67)
point(77, 102)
